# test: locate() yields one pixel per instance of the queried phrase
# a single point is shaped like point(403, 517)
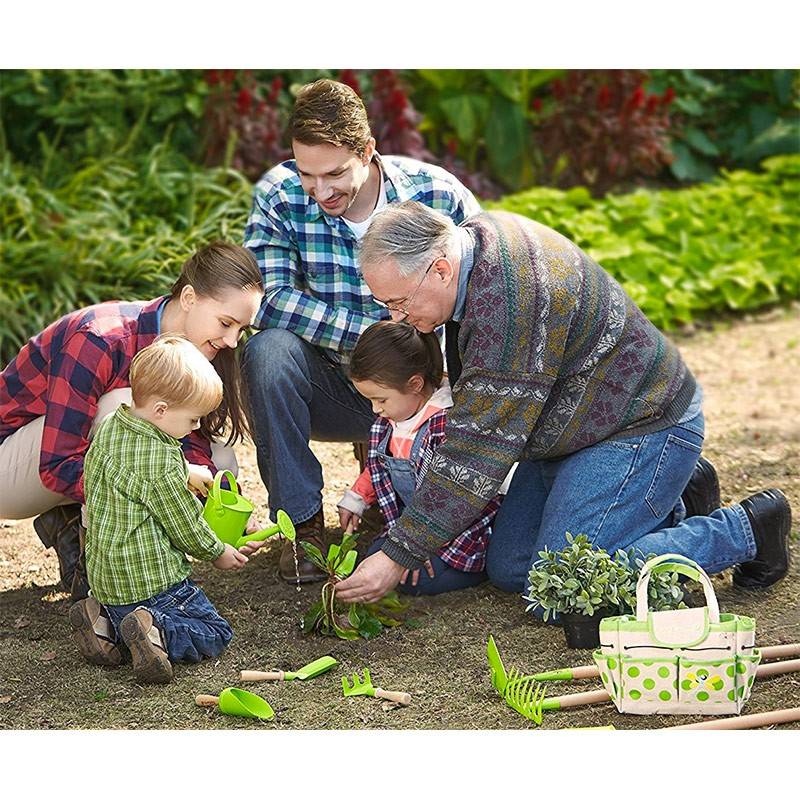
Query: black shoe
point(701, 495)
point(771, 520)
point(60, 528)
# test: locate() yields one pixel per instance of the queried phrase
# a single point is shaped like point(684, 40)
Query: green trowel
point(499, 676)
point(304, 673)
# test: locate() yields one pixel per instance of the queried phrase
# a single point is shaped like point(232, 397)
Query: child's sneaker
point(93, 632)
point(151, 663)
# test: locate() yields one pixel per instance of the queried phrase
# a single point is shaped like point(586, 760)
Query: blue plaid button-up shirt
point(312, 285)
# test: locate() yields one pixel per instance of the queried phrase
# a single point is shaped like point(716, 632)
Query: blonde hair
point(172, 369)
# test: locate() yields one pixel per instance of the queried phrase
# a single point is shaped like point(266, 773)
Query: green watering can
point(237, 703)
point(227, 513)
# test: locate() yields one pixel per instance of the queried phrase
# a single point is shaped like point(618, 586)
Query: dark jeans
point(192, 628)
point(445, 578)
point(296, 394)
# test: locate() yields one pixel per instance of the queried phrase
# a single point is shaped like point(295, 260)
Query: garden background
point(684, 184)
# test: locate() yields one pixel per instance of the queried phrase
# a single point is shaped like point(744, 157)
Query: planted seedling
point(330, 618)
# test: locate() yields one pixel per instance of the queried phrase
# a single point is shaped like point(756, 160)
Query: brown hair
point(211, 270)
point(327, 112)
point(390, 353)
point(172, 369)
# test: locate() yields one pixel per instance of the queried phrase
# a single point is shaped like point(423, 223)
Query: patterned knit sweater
point(556, 357)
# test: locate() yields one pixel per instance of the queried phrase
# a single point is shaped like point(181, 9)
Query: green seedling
point(363, 686)
point(365, 620)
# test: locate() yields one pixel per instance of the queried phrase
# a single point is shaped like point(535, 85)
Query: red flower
point(244, 101)
point(452, 145)
point(212, 79)
point(603, 97)
point(652, 103)
point(558, 89)
point(398, 100)
point(228, 75)
point(349, 78)
point(536, 104)
point(637, 98)
point(276, 86)
point(669, 96)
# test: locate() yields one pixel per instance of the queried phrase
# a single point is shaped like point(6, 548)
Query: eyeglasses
point(402, 306)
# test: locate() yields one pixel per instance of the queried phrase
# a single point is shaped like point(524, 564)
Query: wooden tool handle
point(583, 698)
point(778, 668)
point(780, 651)
point(207, 700)
point(404, 698)
point(254, 675)
point(747, 721)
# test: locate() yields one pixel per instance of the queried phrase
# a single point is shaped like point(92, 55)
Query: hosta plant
point(365, 620)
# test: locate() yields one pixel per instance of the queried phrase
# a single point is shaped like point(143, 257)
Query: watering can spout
point(283, 526)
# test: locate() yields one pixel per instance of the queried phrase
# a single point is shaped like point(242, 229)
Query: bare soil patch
point(749, 369)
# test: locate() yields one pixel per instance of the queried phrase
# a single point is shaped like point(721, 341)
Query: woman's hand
point(200, 479)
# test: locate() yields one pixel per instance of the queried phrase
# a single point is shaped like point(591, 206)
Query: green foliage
point(54, 118)
point(365, 620)
point(582, 579)
point(730, 118)
point(729, 245)
point(486, 113)
point(117, 228)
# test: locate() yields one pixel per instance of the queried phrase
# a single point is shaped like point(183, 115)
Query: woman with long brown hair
point(68, 377)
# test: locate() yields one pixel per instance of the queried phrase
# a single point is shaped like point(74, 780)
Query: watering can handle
point(255, 675)
point(207, 700)
point(404, 698)
point(217, 487)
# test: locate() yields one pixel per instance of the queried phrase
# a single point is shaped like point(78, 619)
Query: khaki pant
point(22, 494)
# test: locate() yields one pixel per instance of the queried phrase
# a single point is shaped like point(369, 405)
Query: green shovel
point(304, 673)
point(237, 703)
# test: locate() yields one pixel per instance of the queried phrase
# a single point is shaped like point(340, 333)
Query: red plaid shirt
point(467, 552)
point(62, 372)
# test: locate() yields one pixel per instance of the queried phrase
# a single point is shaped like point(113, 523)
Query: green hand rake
point(521, 692)
point(363, 686)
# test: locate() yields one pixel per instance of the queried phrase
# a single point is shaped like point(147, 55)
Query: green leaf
point(314, 554)
point(506, 141)
point(465, 112)
point(699, 141)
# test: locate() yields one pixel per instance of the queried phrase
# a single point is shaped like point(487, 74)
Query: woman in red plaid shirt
point(400, 371)
point(75, 372)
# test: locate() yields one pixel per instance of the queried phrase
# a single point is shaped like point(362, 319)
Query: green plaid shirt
point(308, 259)
point(142, 518)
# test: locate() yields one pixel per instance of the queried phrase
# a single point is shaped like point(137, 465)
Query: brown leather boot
point(59, 528)
point(313, 531)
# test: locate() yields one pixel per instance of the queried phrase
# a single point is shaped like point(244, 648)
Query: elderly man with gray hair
point(555, 367)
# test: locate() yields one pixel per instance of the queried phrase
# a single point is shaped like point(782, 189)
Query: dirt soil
point(749, 369)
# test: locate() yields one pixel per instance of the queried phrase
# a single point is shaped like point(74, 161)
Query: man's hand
point(200, 478)
point(373, 578)
point(230, 559)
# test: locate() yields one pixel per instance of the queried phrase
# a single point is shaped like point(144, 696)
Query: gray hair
point(409, 233)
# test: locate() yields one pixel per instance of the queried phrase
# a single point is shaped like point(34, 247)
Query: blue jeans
point(621, 494)
point(445, 578)
point(191, 626)
point(296, 394)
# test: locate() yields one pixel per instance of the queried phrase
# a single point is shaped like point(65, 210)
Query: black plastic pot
point(583, 631)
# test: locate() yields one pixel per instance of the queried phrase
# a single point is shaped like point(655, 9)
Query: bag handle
point(674, 562)
point(217, 487)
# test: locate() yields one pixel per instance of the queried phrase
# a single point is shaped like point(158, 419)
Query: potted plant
point(364, 620)
point(582, 584)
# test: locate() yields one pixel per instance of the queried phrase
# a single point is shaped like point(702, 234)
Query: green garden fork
point(364, 686)
point(521, 692)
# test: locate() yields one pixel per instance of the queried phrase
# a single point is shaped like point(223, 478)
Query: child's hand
point(415, 574)
point(348, 518)
point(200, 478)
point(230, 559)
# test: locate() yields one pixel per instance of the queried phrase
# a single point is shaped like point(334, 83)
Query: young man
point(308, 217)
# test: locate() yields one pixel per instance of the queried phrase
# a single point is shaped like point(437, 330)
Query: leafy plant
point(727, 245)
point(604, 130)
point(582, 579)
point(729, 118)
point(365, 620)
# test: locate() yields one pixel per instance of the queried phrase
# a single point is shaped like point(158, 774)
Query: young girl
point(400, 371)
point(73, 373)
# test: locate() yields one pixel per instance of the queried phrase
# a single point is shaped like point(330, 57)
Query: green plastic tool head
point(239, 703)
point(315, 668)
point(499, 677)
